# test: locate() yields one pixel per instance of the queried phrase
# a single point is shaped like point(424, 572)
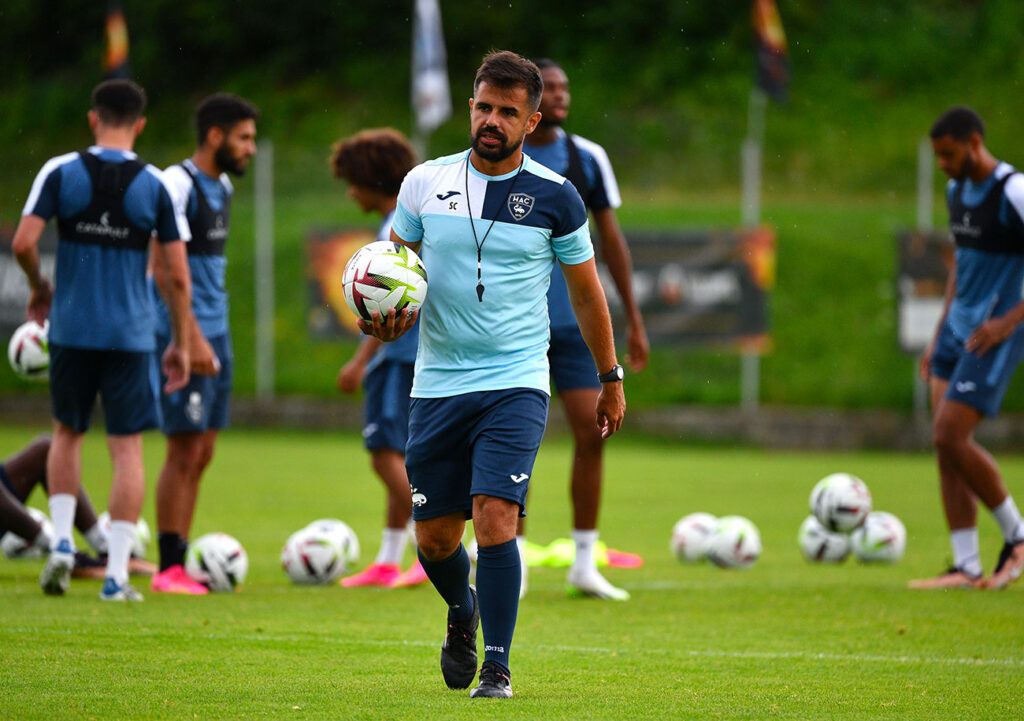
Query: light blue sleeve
point(407, 223)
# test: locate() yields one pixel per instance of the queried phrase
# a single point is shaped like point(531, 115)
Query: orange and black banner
point(115, 56)
point(771, 49)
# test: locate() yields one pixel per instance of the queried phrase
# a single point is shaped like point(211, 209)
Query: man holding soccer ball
point(108, 204)
point(978, 345)
point(489, 223)
point(193, 415)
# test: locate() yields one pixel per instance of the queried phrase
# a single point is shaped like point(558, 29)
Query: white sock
point(392, 546)
point(523, 580)
point(122, 535)
point(1009, 520)
point(62, 513)
point(965, 550)
point(97, 538)
point(585, 541)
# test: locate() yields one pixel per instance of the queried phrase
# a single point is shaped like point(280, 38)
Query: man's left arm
point(616, 256)
point(591, 309)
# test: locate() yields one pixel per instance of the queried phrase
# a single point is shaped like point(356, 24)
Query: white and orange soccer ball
point(383, 275)
point(29, 351)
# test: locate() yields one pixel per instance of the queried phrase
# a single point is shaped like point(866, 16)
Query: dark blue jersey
point(985, 221)
point(586, 165)
point(107, 204)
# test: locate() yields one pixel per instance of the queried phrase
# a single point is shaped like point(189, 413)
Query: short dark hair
point(377, 158)
point(224, 111)
point(959, 122)
point(505, 69)
point(118, 102)
point(545, 63)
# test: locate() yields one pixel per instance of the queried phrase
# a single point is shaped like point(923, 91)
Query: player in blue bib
point(194, 415)
point(489, 224)
point(585, 164)
point(977, 346)
point(373, 163)
point(107, 204)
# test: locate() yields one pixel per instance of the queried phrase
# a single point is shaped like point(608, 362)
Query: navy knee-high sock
point(497, 585)
point(451, 579)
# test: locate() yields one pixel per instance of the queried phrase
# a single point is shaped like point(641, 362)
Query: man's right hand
point(390, 328)
point(175, 365)
point(350, 376)
point(202, 358)
point(39, 302)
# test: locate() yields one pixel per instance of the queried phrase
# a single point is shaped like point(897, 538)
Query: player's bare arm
point(995, 330)
point(351, 374)
point(202, 358)
point(616, 256)
point(925, 364)
point(591, 309)
point(26, 249)
point(176, 364)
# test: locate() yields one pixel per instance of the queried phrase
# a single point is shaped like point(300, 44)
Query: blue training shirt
point(100, 296)
point(402, 350)
point(209, 292)
point(501, 342)
point(989, 234)
point(603, 192)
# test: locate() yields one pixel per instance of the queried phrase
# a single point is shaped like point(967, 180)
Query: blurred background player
point(586, 165)
point(20, 473)
point(193, 415)
point(373, 163)
point(108, 203)
point(977, 346)
point(481, 388)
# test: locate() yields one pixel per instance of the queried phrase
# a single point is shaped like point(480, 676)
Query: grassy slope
point(782, 640)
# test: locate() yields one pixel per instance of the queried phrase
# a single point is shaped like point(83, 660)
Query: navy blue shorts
point(977, 381)
point(126, 381)
point(473, 444)
point(386, 406)
point(572, 365)
point(202, 405)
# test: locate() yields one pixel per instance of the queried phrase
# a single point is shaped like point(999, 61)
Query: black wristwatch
point(615, 375)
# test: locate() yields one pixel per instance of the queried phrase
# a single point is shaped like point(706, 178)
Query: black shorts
point(125, 380)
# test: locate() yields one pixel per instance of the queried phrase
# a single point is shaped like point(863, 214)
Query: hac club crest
point(520, 205)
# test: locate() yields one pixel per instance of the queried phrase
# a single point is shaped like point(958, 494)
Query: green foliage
point(783, 640)
point(663, 85)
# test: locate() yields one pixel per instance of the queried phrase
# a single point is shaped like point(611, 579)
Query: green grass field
point(784, 639)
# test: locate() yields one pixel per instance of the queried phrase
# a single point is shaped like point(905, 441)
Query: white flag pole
point(431, 96)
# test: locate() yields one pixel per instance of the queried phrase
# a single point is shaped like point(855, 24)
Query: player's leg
point(440, 472)
point(127, 491)
point(64, 473)
point(176, 493)
point(389, 465)
point(207, 446)
point(506, 435)
point(19, 474)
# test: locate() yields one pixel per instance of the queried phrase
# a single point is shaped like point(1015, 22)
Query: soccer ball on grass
point(16, 547)
point(318, 554)
point(820, 544)
point(217, 561)
point(690, 536)
point(840, 502)
point(882, 537)
point(736, 543)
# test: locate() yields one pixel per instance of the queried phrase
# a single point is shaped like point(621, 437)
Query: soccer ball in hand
point(384, 275)
point(314, 555)
point(840, 502)
point(882, 538)
point(29, 351)
point(736, 543)
point(142, 539)
point(16, 547)
point(820, 544)
point(690, 536)
point(217, 561)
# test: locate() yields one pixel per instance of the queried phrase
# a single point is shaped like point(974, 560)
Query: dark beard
point(495, 155)
point(226, 162)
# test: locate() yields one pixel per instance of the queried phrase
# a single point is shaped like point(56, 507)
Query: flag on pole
point(772, 51)
point(115, 57)
point(431, 97)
